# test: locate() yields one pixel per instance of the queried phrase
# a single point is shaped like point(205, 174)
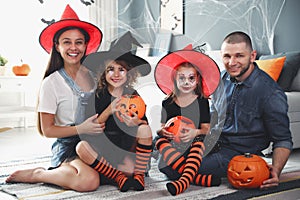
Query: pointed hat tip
point(188, 47)
point(69, 13)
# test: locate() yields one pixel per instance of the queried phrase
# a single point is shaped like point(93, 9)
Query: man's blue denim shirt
point(256, 114)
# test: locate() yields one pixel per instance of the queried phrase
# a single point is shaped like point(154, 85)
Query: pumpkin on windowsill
point(21, 70)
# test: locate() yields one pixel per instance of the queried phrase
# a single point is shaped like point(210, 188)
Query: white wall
point(20, 28)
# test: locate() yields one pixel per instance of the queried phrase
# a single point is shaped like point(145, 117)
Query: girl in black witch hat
point(122, 153)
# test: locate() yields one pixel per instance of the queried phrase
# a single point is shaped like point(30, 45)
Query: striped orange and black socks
point(174, 159)
point(170, 155)
point(193, 162)
point(143, 155)
point(207, 180)
point(106, 169)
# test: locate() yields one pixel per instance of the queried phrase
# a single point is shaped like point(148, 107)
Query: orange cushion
point(272, 67)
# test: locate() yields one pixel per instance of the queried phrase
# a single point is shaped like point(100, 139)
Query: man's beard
point(233, 78)
point(243, 71)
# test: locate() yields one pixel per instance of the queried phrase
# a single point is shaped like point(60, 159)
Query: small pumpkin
point(178, 125)
point(22, 70)
point(247, 171)
point(131, 104)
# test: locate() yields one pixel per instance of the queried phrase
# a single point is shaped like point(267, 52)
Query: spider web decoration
point(238, 14)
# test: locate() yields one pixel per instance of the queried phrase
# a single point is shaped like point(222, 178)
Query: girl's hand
point(131, 121)
point(90, 126)
point(188, 134)
point(115, 105)
point(163, 132)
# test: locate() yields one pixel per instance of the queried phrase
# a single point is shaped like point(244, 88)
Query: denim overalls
point(63, 149)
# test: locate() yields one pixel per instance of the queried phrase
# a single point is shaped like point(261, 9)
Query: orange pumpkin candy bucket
point(131, 104)
point(177, 125)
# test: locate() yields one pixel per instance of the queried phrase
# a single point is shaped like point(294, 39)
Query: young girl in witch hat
point(64, 92)
point(121, 154)
point(188, 78)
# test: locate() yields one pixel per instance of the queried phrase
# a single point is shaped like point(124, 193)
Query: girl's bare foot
point(24, 176)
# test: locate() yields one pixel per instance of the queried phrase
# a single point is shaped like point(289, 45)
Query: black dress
point(118, 140)
point(197, 111)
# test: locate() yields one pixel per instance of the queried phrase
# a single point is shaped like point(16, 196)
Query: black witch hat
point(120, 49)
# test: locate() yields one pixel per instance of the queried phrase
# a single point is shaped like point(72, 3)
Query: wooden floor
point(22, 143)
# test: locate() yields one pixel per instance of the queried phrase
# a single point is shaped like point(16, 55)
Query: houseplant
point(3, 61)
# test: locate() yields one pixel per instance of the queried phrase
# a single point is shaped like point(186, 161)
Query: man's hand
point(279, 159)
point(273, 181)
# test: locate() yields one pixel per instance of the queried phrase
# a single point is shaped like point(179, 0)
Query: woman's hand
point(90, 126)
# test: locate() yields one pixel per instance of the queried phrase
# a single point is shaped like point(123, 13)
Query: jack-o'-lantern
point(178, 125)
point(22, 70)
point(247, 171)
point(130, 104)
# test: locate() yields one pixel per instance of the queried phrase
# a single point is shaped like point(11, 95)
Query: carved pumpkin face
point(131, 104)
point(247, 171)
point(178, 125)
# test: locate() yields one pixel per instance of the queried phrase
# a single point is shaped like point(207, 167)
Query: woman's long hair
point(56, 61)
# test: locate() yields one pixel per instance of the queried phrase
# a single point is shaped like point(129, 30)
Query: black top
point(118, 139)
point(197, 111)
point(102, 100)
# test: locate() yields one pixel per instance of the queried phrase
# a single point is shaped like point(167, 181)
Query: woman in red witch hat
point(188, 78)
point(122, 153)
point(64, 92)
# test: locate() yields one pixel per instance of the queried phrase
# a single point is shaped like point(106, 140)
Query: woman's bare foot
point(24, 176)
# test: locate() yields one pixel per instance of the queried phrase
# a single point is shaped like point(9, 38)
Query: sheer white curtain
point(104, 14)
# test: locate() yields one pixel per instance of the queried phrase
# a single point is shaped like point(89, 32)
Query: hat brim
point(209, 70)
point(47, 35)
point(96, 61)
